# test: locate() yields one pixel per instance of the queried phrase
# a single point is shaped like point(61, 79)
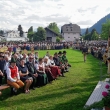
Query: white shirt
point(6, 66)
point(36, 66)
point(8, 71)
point(52, 62)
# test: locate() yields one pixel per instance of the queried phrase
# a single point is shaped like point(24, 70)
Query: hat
point(13, 60)
point(64, 52)
point(55, 53)
point(60, 52)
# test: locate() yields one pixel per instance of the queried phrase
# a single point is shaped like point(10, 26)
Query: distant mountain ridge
point(98, 25)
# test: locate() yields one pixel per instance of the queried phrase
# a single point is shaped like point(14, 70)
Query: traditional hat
point(13, 60)
point(55, 53)
point(64, 51)
point(60, 52)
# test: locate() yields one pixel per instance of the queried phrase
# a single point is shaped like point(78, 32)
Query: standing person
point(13, 78)
point(85, 52)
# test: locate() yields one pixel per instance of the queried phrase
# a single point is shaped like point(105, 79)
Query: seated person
point(58, 62)
point(65, 61)
point(32, 71)
point(13, 78)
point(2, 66)
point(42, 79)
point(1, 75)
point(36, 56)
point(48, 69)
point(55, 69)
point(47, 54)
point(0, 93)
point(23, 71)
point(15, 56)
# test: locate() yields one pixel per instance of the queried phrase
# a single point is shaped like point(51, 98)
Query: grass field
point(65, 93)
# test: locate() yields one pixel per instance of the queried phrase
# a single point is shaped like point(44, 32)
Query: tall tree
point(53, 26)
point(87, 31)
point(1, 32)
point(92, 31)
point(105, 29)
point(30, 33)
point(40, 35)
point(20, 29)
point(95, 36)
point(87, 36)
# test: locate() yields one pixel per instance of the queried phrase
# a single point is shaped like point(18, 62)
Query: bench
point(5, 86)
point(96, 95)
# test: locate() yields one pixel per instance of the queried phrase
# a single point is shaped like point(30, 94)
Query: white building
point(13, 36)
point(71, 32)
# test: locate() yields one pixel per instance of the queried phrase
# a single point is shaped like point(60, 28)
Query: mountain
point(98, 25)
point(83, 31)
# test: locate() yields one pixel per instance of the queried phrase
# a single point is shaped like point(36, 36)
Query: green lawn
point(65, 93)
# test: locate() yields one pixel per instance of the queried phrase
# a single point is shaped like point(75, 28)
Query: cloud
point(42, 12)
point(88, 22)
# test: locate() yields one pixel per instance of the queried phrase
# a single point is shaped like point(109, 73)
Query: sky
point(42, 12)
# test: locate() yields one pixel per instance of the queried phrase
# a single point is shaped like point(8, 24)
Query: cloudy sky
point(42, 12)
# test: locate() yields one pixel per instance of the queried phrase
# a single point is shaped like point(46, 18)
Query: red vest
point(13, 72)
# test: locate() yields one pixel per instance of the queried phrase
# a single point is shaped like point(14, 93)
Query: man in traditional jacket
point(32, 71)
point(62, 66)
point(65, 61)
point(85, 52)
point(13, 78)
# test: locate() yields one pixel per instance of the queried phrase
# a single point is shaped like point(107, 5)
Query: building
point(13, 36)
point(71, 32)
point(51, 35)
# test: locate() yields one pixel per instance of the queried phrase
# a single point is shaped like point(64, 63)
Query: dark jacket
point(31, 68)
point(85, 50)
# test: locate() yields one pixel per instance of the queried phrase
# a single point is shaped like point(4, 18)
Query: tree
point(105, 29)
point(1, 32)
point(30, 33)
point(87, 31)
point(40, 35)
point(53, 26)
point(20, 30)
point(58, 39)
point(92, 31)
point(95, 36)
point(87, 36)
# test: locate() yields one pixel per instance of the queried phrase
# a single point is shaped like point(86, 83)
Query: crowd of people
point(97, 48)
point(12, 46)
point(28, 70)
